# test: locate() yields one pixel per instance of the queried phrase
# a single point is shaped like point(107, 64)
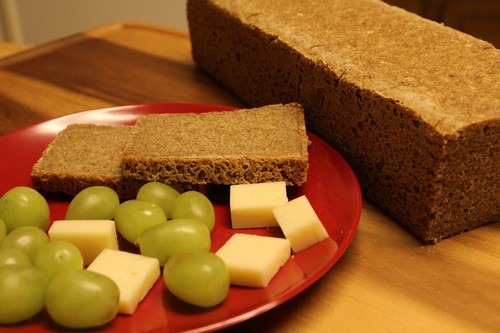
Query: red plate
point(332, 189)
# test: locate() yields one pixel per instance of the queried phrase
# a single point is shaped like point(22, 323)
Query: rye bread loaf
point(256, 145)
point(413, 106)
point(84, 155)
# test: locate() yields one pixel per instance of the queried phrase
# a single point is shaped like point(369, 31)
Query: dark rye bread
point(223, 147)
point(414, 106)
point(84, 155)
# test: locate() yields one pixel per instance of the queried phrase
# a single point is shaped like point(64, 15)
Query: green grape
point(27, 239)
point(58, 256)
point(134, 216)
point(22, 291)
point(164, 240)
point(22, 206)
point(198, 278)
point(80, 298)
point(194, 205)
point(14, 257)
point(93, 203)
point(161, 194)
point(3, 231)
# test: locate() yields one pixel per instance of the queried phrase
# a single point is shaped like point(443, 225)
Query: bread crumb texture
point(413, 105)
point(188, 151)
point(225, 147)
point(83, 155)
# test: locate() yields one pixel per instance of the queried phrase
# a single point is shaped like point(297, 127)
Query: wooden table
point(387, 281)
point(8, 48)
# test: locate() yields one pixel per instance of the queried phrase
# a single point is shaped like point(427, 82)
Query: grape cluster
point(37, 273)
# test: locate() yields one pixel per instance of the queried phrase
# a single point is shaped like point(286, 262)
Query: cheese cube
point(254, 260)
point(89, 236)
point(300, 224)
point(134, 274)
point(251, 205)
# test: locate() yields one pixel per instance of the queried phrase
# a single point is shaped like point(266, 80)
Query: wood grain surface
point(387, 281)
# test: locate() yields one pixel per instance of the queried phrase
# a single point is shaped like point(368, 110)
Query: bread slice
point(413, 106)
point(223, 147)
point(84, 155)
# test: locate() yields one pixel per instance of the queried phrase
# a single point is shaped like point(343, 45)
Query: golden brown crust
point(412, 105)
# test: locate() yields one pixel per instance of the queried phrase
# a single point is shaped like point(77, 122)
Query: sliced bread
point(84, 155)
point(256, 145)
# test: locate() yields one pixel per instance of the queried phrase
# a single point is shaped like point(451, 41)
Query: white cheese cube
point(254, 260)
point(89, 236)
point(134, 274)
point(300, 223)
point(252, 205)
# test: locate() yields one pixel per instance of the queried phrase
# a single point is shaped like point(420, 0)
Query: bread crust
point(412, 105)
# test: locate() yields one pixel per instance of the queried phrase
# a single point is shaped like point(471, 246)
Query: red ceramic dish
point(332, 189)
